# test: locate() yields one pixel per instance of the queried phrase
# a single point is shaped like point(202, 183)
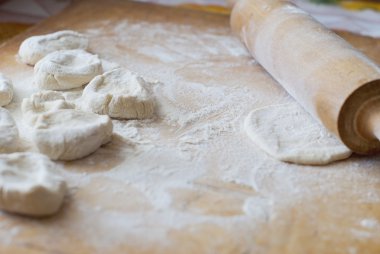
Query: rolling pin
point(334, 82)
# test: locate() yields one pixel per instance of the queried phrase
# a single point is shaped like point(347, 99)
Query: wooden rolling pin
point(333, 81)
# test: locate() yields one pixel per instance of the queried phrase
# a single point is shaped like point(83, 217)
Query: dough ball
point(68, 134)
point(30, 184)
point(109, 66)
point(289, 133)
point(66, 69)
point(60, 131)
point(9, 136)
point(6, 90)
point(120, 94)
point(43, 102)
point(35, 48)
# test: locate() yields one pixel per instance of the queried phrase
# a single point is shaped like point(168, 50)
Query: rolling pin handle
point(332, 87)
point(368, 122)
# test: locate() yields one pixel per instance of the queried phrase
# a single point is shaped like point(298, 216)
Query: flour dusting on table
point(191, 171)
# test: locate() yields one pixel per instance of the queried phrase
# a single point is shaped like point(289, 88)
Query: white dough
point(60, 131)
point(6, 90)
point(43, 102)
point(30, 184)
point(109, 66)
point(66, 69)
point(120, 94)
point(9, 136)
point(69, 134)
point(289, 133)
point(35, 48)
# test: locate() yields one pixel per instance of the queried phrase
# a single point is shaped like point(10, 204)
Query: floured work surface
point(191, 181)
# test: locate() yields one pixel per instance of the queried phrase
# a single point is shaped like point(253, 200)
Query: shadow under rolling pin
point(333, 81)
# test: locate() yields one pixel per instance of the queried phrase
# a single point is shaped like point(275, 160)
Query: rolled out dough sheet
point(288, 133)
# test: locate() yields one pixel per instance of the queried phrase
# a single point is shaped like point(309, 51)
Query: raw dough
point(109, 66)
point(6, 90)
point(43, 102)
point(30, 184)
point(120, 94)
point(8, 132)
point(60, 131)
point(69, 134)
point(289, 133)
point(66, 69)
point(35, 48)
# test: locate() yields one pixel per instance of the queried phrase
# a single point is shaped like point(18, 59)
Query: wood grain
point(213, 192)
point(8, 30)
point(328, 77)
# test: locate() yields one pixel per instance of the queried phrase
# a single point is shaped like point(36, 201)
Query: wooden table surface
point(190, 180)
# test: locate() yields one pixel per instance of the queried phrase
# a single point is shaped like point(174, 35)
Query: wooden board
point(190, 180)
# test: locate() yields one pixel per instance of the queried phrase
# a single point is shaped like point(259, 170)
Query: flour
point(166, 52)
point(109, 66)
point(197, 133)
point(370, 223)
point(177, 176)
point(14, 232)
point(258, 207)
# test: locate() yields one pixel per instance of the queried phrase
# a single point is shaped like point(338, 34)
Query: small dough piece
point(30, 184)
point(290, 134)
point(9, 136)
point(35, 48)
point(43, 102)
point(60, 131)
point(119, 93)
point(69, 134)
point(66, 69)
point(6, 90)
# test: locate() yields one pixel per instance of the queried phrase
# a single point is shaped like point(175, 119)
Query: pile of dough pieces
point(62, 128)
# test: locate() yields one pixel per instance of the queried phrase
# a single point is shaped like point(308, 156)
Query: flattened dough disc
point(288, 133)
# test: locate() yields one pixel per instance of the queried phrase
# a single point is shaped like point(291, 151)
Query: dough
point(35, 48)
point(60, 131)
point(6, 90)
point(109, 66)
point(289, 133)
point(30, 184)
point(8, 132)
point(118, 93)
point(69, 134)
point(43, 102)
point(66, 69)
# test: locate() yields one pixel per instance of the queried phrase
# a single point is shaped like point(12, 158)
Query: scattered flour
point(370, 223)
point(177, 176)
